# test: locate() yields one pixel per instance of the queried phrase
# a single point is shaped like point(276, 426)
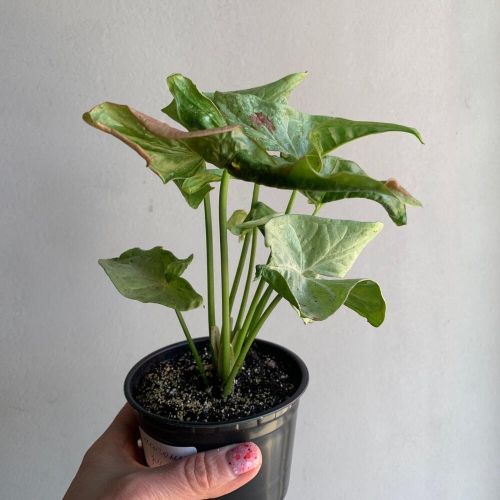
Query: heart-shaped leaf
point(316, 299)
point(152, 276)
point(316, 246)
point(306, 252)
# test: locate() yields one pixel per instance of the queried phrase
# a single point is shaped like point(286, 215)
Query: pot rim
point(229, 423)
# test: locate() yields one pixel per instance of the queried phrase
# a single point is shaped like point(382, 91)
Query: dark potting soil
point(173, 389)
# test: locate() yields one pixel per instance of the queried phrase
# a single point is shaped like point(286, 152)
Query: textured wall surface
point(409, 411)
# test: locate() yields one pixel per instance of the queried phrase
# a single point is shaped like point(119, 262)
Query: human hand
point(113, 468)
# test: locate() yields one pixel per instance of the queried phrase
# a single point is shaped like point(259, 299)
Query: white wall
point(409, 411)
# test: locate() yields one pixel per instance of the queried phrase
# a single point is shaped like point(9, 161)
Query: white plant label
point(158, 453)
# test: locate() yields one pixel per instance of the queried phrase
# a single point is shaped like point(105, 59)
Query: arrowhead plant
point(255, 136)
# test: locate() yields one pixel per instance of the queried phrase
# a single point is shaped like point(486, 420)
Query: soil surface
point(174, 389)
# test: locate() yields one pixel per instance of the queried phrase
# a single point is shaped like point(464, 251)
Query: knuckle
point(199, 473)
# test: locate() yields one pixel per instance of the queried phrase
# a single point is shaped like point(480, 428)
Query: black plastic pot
point(273, 431)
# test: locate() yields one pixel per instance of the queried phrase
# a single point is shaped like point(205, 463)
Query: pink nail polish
point(243, 457)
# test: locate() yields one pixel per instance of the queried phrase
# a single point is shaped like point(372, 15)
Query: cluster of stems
point(235, 340)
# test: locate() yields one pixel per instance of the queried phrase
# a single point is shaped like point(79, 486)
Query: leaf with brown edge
point(401, 193)
point(350, 181)
point(163, 147)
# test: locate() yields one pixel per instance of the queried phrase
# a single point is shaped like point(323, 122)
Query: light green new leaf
point(235, 220)
point(259, 215)
point(306, 251)
point(152, 276)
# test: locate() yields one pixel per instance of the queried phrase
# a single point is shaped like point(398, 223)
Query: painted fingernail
point(243, 457)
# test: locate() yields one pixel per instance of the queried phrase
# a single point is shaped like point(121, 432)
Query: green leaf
point(328, 133)
point(317, 299)
point(195, 188)
point(302, 140)
point(260, 128)
point(366, 299)
point(307, 251)
point(152, 276)
point(201, 179)
point(279, 127)
point(166, 154)
point(350, 181)
point(193, 109)
point(275, 127)
point(316, 246)
point(277, 91)
point(164, 148)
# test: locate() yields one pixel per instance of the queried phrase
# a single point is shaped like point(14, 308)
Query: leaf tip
point(87, 118)
point(416, 133)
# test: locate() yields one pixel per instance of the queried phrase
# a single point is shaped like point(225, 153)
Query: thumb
point(209, 474)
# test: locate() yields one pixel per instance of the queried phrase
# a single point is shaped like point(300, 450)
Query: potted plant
point(227, 386)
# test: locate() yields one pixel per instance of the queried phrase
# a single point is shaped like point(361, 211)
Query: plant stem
point(210, 263)
point(261, 306)
point(225, 350)
point(228, 386)
point(241, 334)
point(317, 209)
point(244, 251)
point(248, 281)
point(291, 202)
point(239, 270)
point(192, 346)
point(255, 194)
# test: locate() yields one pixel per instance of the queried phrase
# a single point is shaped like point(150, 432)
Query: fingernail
point(243, 457)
